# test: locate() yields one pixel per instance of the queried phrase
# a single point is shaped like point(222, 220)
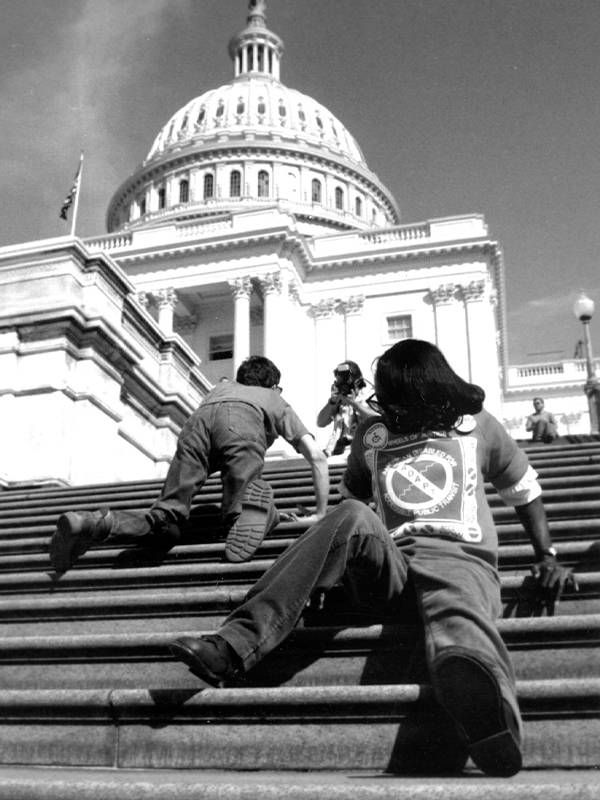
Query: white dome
point(258, 107)
point(252, 142)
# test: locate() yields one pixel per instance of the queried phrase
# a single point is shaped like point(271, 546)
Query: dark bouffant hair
point(418, 390)
point(258, 371)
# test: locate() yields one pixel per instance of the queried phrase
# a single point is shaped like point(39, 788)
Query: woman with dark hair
point(422, 463)
point(417, 390)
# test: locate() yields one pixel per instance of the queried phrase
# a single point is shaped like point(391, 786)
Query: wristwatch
point(550, 551)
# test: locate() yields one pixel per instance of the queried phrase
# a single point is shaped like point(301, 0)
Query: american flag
point(72, 193)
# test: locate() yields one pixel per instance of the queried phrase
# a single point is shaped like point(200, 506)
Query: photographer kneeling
point(346, 406)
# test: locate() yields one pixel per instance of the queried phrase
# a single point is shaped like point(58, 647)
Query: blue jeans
point(227, 436)
point(458, 596)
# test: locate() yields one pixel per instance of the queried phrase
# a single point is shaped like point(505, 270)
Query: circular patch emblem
point(467, 424)
point(420, 483)
point(376, 437)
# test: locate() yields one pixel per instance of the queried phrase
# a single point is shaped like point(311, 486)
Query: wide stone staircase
point(92, 704)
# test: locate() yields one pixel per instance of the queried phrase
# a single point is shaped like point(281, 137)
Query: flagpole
point(77, 192)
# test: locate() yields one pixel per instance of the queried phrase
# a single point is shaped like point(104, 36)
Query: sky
point(460, 107)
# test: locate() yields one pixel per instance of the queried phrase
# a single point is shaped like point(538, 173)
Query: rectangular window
point(399, 327)
point(220, 347)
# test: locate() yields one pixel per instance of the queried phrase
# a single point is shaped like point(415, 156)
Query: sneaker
point(258, 518)
point(210, 657)
point(471, 695)
point(76, 532)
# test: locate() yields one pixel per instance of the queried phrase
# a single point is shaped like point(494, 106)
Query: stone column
point(167, 300)
point(242, 289)
point(329, 346)
point(354, 336)
point(484, 363)
point(450, 327)
point(274, 325)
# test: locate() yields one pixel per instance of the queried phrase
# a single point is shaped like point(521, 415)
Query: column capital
point(271, 283)
point(352, 305)
point(294, 290)
point(143, 299)
point(443, 294)
point(323, 309)
point(166, 298)
point(241, 287)
point(475, 290)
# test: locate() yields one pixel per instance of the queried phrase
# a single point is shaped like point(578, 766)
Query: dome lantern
point(256, 50)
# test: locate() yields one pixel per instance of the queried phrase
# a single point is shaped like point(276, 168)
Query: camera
point(348, 379)
point(344, 383)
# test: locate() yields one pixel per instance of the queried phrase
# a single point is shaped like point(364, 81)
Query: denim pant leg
point(239, 444)
point(349, 545)
point(188, 470)
point(459, 601)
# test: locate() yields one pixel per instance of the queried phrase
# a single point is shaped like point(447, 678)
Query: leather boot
point(76, 532)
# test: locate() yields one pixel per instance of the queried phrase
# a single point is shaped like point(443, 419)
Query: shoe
point(258, 518)
point(471, 695)
point(210, 657)
point(76, 532)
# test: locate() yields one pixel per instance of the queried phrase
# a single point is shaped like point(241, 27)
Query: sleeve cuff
point(524, 491)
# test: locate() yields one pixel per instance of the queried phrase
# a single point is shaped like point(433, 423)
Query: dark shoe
point(471, 695)
point(259, 516)
point(210, 657)
point(76, 532)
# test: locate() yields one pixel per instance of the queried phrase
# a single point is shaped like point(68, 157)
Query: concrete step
point(540, 648)
point(210, 602)
point(43, 783)
point(16, 559)
point(289, 728)
point(153, 571)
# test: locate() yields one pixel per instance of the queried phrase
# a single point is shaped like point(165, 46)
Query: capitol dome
point(254, 142)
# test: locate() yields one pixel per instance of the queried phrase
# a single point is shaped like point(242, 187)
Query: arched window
point(235, 183)
point(220, 109)
point(358, 207)
point(261, 108)
point(142, 205)
point(184, 190)
point(201, 115)
point(162, 197)
point(339, 197)
point(316, 190)
point(263, 183)
point(239, 109)
point(209, 185)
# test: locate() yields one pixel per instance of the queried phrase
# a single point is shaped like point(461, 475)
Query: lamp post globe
point(583, 308)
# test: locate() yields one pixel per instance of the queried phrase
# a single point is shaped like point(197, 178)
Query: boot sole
point(490, 729)
point(249, 530)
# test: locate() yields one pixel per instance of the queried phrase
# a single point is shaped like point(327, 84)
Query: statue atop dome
point(257, 8)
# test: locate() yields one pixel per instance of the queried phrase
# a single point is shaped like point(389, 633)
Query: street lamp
point(583, 308)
